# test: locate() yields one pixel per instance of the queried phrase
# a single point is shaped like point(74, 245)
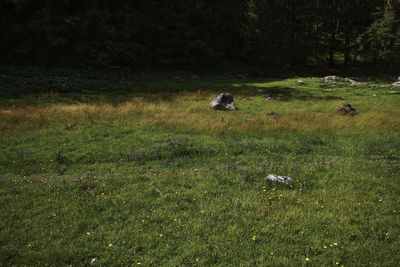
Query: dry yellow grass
point(190, 112)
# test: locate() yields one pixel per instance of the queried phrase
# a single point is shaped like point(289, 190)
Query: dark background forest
point(139, 33)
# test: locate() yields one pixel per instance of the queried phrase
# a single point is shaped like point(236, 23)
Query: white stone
point(331, 79)
point(277, 178)
point(396, 84)
point(351, 81)
point(223, 102)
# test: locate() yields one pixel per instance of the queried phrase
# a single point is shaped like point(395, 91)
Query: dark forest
point(141, 33)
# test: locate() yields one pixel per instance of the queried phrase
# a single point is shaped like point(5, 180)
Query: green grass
point(106, 175)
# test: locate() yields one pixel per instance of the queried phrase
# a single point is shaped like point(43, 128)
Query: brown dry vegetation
point(189, 111)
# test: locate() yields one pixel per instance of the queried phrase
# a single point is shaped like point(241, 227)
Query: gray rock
point(331, 79)
point(351, 81)
point(346, 109)
point(396, 84)
point(277, 178)
point(269, 97)
point(223, 102)
point(355, 79)
point(300, 82)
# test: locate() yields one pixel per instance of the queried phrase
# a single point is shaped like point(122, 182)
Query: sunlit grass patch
point(305, 107)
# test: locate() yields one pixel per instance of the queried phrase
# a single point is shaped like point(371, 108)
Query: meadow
point(134, 169)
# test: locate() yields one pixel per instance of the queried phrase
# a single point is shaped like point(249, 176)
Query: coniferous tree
point(198, 32)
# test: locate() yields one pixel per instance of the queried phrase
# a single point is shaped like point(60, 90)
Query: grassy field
point(124, 170)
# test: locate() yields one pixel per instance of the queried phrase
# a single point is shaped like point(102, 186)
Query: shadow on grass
point(40, 86)
point(282, 93)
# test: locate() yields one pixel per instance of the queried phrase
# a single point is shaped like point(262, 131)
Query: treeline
point(199, 32)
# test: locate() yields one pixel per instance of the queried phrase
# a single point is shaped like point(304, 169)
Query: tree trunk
point(346, 49)
point(332, 49)
point(96, 7)
point(315, 52)
point(48, 19)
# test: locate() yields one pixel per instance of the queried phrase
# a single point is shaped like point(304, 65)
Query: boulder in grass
point(269, 97)
point(93, 261)
point(352, 80)
point(277, 178)
point(331, 79)
point(223, 102)
point(396, 84)
point(346, 109)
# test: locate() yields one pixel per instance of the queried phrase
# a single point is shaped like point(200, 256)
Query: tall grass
point(255, 115)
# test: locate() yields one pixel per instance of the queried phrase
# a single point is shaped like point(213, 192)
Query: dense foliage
point(198, 32)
